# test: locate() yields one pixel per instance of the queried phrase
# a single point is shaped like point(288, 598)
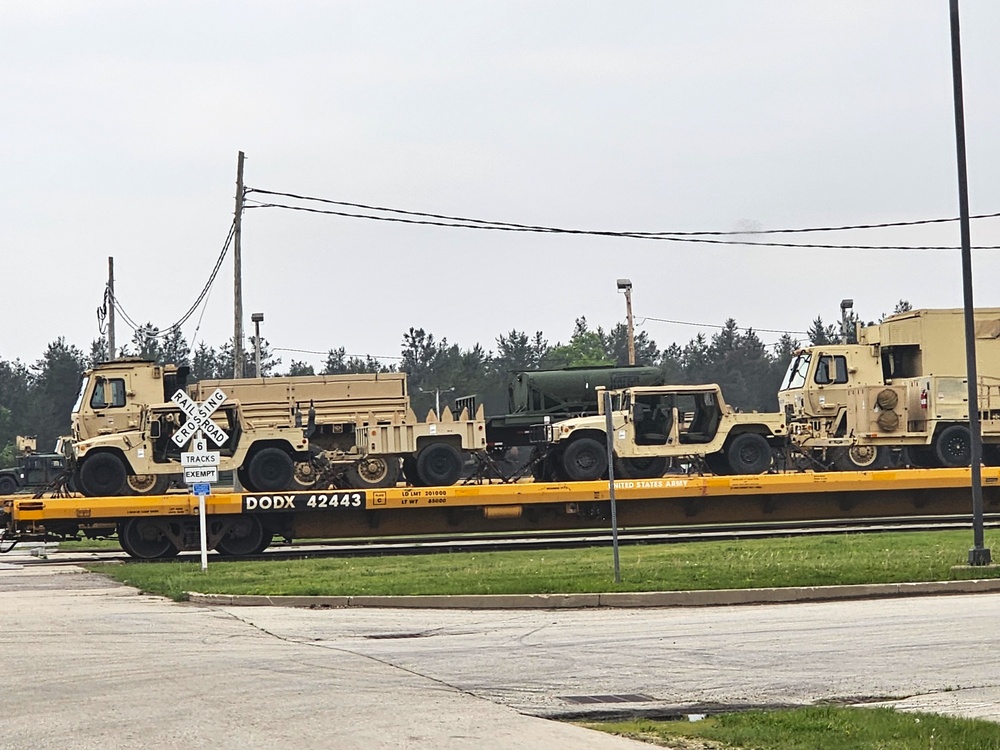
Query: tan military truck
point(656, 423)
point(283, 433)
point(814, 393)
point(929, 416)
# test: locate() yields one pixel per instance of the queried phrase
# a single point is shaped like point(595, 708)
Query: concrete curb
point(720, 597)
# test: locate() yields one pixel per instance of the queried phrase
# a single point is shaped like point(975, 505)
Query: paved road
point(87, 665)
point(927, 652)
point(95, 665)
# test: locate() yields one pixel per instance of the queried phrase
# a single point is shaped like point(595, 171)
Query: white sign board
point(199, 417)
point(200, 458)
point(196, 474)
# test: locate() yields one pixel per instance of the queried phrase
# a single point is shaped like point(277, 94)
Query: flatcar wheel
point(143, 538)
point(245, 536)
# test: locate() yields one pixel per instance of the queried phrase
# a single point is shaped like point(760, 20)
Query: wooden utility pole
point(238, 275)
point(110, 301)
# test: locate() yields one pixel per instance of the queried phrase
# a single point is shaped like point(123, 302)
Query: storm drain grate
point(620, 698)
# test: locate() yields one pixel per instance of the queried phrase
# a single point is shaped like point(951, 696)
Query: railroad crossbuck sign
point(199, 417)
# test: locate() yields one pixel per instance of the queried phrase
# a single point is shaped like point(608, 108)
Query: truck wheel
point(373, 473)
point(8, 485)
point(641, 468)
point(270, 470)
point(103, 474)
point(861, 458)
point(717, 464)
point(439, 465)
point(147, 484)
point(410, 473)
point(584, 460)
point(953, 446)
point(748, 453)
point(245, 536)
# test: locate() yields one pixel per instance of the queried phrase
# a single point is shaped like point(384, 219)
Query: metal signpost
point(610, 430)
point(201, 466)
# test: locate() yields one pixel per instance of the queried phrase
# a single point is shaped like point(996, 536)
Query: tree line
point(37, 399)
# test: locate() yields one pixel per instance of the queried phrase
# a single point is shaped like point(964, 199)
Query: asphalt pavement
point(88, 663)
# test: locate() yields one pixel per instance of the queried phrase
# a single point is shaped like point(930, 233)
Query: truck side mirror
point(154, 428)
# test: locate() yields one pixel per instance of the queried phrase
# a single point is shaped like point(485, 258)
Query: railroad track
point(35, 554)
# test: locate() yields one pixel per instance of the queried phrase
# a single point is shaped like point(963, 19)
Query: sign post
point(201, 466)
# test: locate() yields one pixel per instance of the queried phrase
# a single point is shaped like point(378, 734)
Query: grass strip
point(826, 727)
point(756, 563)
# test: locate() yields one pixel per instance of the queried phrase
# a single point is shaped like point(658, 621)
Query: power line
point(191, 310)
point(640, 321)
point(539, 228)
point(481, 225)
point(328, 351)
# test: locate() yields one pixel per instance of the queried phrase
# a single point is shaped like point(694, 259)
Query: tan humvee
point(656, 423)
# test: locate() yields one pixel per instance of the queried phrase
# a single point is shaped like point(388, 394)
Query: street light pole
point(437, 397)
point(626, 286)
point(257, 319)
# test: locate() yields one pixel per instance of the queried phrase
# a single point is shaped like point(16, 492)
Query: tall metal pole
point(609, 428)
point(979, 554)
point(631, 330)
point(238, 275)
point(111, 307)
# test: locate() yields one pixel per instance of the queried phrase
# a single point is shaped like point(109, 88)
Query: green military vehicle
point(34, 471)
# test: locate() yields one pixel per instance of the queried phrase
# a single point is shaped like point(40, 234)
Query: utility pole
point(111, 307)
point(238, 275)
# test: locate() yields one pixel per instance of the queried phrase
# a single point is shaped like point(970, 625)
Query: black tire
point(921, 457)
point(246, 535)
point(8, 485)
point(147, 484)
point(748, 453)
point(410, 474)
point(103, 474)
point(270, 470)
point(717, 464)
point(439, 465)
point(584, 460)
point(953, 446)
point(373, 473)
point(641, 468)
point(861, 458)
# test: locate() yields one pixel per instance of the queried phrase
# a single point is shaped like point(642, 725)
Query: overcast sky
point(122, 122)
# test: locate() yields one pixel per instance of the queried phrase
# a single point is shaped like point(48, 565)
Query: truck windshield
point(79, 396)
point(795, 376)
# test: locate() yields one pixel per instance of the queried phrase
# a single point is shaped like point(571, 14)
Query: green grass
point(819, 728)
point(800, 561)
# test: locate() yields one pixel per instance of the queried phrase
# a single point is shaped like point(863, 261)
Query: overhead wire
point(161, 332)
point(443, 220)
